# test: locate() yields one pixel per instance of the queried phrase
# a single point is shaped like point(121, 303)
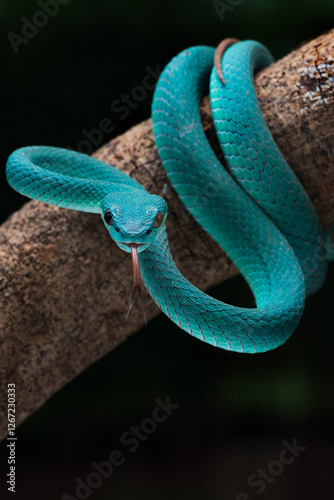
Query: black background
point(234, 410)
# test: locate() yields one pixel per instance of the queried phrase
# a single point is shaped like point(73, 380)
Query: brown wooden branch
point(65, 286)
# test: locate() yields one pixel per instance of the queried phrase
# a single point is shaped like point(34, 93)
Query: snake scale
point(257, 212)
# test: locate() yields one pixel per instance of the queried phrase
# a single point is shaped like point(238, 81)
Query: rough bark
point(65, 286)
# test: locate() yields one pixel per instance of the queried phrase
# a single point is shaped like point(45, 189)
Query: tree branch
point(65, 286)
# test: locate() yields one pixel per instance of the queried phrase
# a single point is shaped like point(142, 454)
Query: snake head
point(133, 218)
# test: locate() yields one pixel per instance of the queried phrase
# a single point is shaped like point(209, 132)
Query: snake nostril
point(149, 231)
point(117, 229)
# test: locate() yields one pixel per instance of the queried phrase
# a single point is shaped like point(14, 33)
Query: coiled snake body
point(258, 212)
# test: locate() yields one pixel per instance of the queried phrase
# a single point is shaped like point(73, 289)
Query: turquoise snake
point(258, 212)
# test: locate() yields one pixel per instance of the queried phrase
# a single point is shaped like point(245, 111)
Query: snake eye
point(158, 220)
point(108, 217)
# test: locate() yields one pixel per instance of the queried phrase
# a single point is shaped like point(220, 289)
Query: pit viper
point(257, 211)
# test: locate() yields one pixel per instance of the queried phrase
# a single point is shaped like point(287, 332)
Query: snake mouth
point(132, 245)
point(136, 277)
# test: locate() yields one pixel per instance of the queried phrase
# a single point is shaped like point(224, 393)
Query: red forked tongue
point(136, 281)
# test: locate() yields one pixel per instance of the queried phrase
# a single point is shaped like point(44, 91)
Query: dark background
point(234, 410)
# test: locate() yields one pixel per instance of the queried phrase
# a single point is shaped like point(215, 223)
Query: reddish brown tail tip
point(222, 47)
